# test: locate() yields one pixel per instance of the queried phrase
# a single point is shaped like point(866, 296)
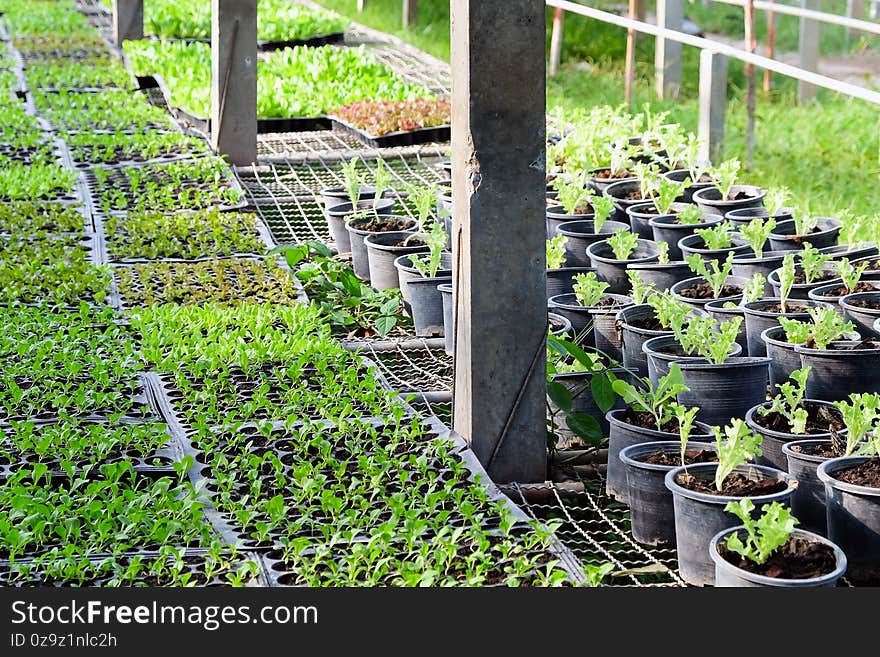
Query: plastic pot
point(802, 290)
point(759, 319)
point(652, 514)
point(622, 435)
point(561, 281)
point(559, 325)
point(664, 350)
point(808, 501)
point(724, 391)
point(784, 358)
point(337, 216)
point(869, 274)
point(444, 212)
point(556, 216)
point(664, 229)
point(862, 318)
point(831, 294)
point(733, 281)
point(700, 516)
point(663, 276)
point(853, 514)
point(748, 266)
point(426, 303)
point(728, 575)
point(618, 191)
point(359, 259)
point(406, 272)
point(592, 326)
point(840, 370)
point(743, 216)
point(640, 216)
point(382, 250)
point(634, 337)
point(581, 235)
point(612, 270)
point(445, 290)
point(679, 175)
point(694, 244)
point(719, 313)
point(855, 252)
point(601, 184)
point(771, 447)
point(783, 237)
point(709, 199)
point(578, 384)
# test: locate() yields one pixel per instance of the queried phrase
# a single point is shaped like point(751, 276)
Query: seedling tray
point(202, 125)
point(441, 133)
point(266, 45)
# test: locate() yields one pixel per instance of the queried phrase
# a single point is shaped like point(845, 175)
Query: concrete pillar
point(234, 79)
point(713, 104)
point(809, 50)
point(499, 233)
point(667, 54)
point(128, 20)
point(410, 12)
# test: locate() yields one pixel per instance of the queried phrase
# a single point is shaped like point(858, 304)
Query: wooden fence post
point(556, 40)
point(809, 50)
point(667, 53)
point(128, 20)
point(713, 104)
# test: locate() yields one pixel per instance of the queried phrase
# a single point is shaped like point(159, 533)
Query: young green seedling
point(623, 243)
point(796, 332)
point(572, 196)
point(556, 252)
point(689, 215)
point(663, 253)
point(717, 237)
point(813, 262)
point(753, 290)
point(775, 199)
point(789, 403)
point(713, 342)
point(657, 401)
point(828, 326)
point(713, 273)
point(640, 289)
point(429, 264)
point(381, 179)
point(756, 233)
point(737, 445)
point(861, 413)
point(602, 207)
point(686, 418)
point(353, 179)
point(786, 279)
point(669, 311)
point(850, 275)
point(666, 192)
point(724, 177)
point(425, 200)
point(804, 222)
point(765, 535)
point(588, 289)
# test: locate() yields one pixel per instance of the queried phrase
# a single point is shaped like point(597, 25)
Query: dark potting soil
point(701, 245)
point(646, 421)
point(584, 209)
point(704, 291)
point(864, 474)
point(821, 451)
point(740, 196)
point(647, 324)
point(635, 195)
point(864, 344)
point(842, 291)
point(605, 174)
point(820, 419)
point(789, 308)
point(607, 302)
point(870, 304)
point(801, 279)
point(383, 225)
point(735, 485)
point(797, 559)
point(405, 242)
point(691, 457)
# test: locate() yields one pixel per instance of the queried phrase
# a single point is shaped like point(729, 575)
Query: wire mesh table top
point(412, 365)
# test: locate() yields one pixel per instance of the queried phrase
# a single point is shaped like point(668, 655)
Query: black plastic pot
point(742, 216)
point(771, 447)
point(759, 319)
point(694, 244)
point(359, 259)
point(862, 318)
point(613, 271)
point(444, 212)
point(838, 372)
point(855, 252)
point(601, 184)
point(652, 514)
point(578, 384)
point(622, 435)
point(853, 514)
point(592, 326)
point(748, 266)
point(448, 322)
point(868, 274)
point(808, 501)
point(633, 337)
point(802, 290)
point(728, 575)
point(338, 216)
point(333, 196)
point(734, 281)
point(581, 235)
point(561, 281)
point(664, 229)
point(426, 303)
point(618, 191)
point(680, 175)
point(784, 358)
point(830, 294)
point(717, 311)
point(559, 326)
point(556, 216)
point(662, 276)
point(725, 391)
point(382, 250)
point(700, 516)
point(664, 350)
point(783, 237)
point(640, 219)
point(709, 199)
point(406, 272)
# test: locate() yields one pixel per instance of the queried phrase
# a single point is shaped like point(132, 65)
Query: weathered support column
point(854, 9)
point(713, 104)
point(809, 50)
point(499, 233)
point(667, 53)
point(234, 79)
point(556, 39)
point(410, 12)
point(360, 5)
point(128, 20)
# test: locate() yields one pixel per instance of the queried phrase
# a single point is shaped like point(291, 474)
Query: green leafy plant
point(657, 401)
point(713, 273)
point(786, 279)
point(663, 253)
point(602, 207)
point(813, 262)
point(666, 192)
point(588, 289)
point(861, 414)
point(595, 573)
point(353, 178)
point(789, 403)
point(429, 264)
point(572, 196)
point(724, 177)
point(756, 233)
point(623, 243)
point(850, 275)
point(717, 237)
point(640, 289)
point(828, 326)
point(669, 311)
point(686, 418)
point(804, 222)
point(764, 535)
point(556, 251)
point(689, 215)
point(714, 343)
point(775, 199)
point(736, 445)
point(796, 332)
point(753, 290)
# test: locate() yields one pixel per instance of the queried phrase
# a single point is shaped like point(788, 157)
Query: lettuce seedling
point(641, 289)
point(765, 535)
point(701, 337)
point(572, 195)
point(429, 264)
point(828, 326)
point(381, 179)
point(623, 243)
point(789, 403)
point(737, 445)
point(686, 422)
point(353, 179)
point(804, 222)
point(689, 215)
point(796, 332)
point(666, 192)
point(861, 414)
point(602, 207)
point(556, 252)
point(713, 273)
point(724, 177)
point(850, 275)
point(669, 311)
point(756, 233)
point(588, 289)
point(424, 198)
point(717, 237)
point(663, 255)
point(775, 199)
point(786, 279)
point(657, 401)
point(754, 289)
point(812, 262)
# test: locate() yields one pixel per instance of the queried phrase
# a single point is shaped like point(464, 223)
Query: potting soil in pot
point(735, 484)
point(797, 559)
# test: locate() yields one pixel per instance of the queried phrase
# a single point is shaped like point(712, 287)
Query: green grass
point(825, 152)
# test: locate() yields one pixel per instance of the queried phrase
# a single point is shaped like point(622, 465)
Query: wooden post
point(854, 9)
point(630, 66)
point(556, 39)
point(809, 50)
point(128, 20)
point(360, 5)
point(234, 79)
point(410, 12)
point(751, 46)
point(667, 53)
point(499, 233)
point(770, 48)
point(713, 104)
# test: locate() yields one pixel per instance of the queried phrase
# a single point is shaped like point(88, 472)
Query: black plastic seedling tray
point(440, 133)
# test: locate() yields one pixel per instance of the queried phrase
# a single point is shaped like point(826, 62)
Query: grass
point(826, 152)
